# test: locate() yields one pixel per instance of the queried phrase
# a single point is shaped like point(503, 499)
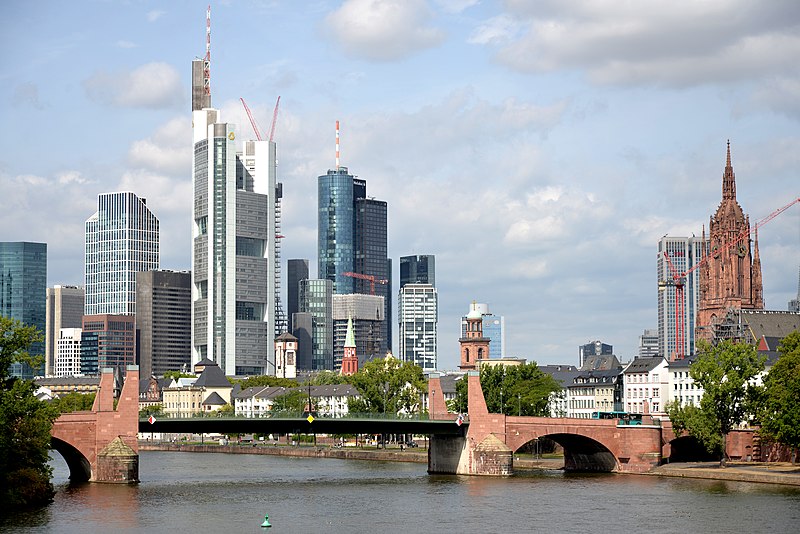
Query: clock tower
point(731, 275)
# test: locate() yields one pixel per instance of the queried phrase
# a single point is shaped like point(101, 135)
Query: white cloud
point(154, 15)
point(126, 44)
point(383, 30)
point(674, 44)
point(456, 6)
point(497, 30)
point(153, 86)
point(781, 95)
point(165, 151)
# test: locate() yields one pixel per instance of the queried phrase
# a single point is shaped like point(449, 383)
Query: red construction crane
point(252, 119)
point(679, 279)
point(274, 119)
point(372, 280)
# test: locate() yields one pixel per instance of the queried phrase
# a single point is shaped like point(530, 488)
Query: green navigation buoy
point(266, 522)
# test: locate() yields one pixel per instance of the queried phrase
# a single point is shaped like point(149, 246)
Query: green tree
point(725, 372)
point(25, 423)
point(174, 375)
point(294, 401)
point(264, 381)
point(153, 409)
point(512, 390)
point(328, 378)
point(780, 406)
point(387, 385)
point(73, 402)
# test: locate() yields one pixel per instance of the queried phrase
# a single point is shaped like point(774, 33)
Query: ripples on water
point(184, 492)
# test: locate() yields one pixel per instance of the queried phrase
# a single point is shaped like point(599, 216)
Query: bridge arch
point(581, 453)
point(80, 470)
point(689, 449)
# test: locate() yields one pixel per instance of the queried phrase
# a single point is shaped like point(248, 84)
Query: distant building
point(749, 326)
point(684, 254)
point(107, 341)
point(646, 383)
point(594, 391)
point(163, 322)
point(67, 359)
point(418, 319)
point(23, 284)
point(493, 328)
point(594, 348)
point(794, 304)
point(316, 298)
point(296, 270)
point(302, 329)
point(286, 356)
point(364, 314)
point(64, 310)
point(417, 270)
point(206, 393)
point(648, 343)
point(564, 375)
point(121, 240)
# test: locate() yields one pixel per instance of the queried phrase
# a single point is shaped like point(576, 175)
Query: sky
point(538, 149)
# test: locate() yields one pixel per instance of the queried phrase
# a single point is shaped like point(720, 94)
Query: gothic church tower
point(731, 276)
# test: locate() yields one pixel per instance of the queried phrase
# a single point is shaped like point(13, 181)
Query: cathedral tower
point(474, 346)
point(731, 276)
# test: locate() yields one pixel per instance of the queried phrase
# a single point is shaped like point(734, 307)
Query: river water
point(220, 493)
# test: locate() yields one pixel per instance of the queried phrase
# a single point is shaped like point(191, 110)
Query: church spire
point(758, 289)
point(728, 178)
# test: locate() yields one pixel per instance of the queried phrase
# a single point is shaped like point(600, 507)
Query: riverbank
point(757, 472)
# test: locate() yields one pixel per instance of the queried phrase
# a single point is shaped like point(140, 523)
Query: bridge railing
point(287, 414)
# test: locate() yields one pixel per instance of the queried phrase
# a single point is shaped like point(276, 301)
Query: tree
point(780, 407)
point(153, 409)
point(265, 381)
point(512, 390)
point(725, 372)
point(174, 375)
point(25, 423)
point(294, 401)
point(73, 402)
point(387, 385)
point(327, 378)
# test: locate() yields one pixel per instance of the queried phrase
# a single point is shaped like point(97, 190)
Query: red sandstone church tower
point(349, 359)
point(731, 276)
point(474, 346)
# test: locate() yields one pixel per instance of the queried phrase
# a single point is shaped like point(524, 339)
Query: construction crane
point(372, 280)
point(252, 119)
point(678, 280)
point(274, 119)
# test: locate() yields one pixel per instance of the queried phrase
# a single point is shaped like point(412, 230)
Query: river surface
point(220, 493)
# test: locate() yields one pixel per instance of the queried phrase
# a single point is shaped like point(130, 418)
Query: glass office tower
point(418, 270)
point(23, 286)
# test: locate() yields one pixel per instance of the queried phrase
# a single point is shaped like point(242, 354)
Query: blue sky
point(538, 149)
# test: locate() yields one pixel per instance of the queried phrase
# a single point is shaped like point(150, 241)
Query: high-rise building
point(418, 270)
point(352, 238)
point(234, 297)
point(365, 315)
point(121, 240)
point(418, 318)
point(493, 328)
point(648, 343)
point(110, 342)
point(67, 357)
point(731, 277)
point(23, 284)
point(64, 310)
point(316, 298)
point(296, 270)
point(303, 330)
point(594, 348)
point(163, 322)
point(684, 254)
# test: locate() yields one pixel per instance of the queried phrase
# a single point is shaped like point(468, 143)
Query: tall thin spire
point(728, 178)
point(337, 145)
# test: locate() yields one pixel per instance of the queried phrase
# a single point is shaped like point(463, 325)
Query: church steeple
point(349, 359)
point(757, 284)
point(728, 178)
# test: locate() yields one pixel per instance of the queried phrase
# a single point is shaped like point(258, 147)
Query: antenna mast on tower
point(207, 59)
point(337, 145)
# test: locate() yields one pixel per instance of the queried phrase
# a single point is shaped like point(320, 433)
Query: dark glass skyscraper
point(417, 270)
point(296, 270)
point(23, 287)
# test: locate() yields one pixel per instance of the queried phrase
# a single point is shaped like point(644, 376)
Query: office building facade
point(234, 285)
point(365, 313)
point(418, 318)
point(648, 343)
point(67, 357)
point(684, 253)
point(64, 310)
point(296, 270)
point(419, 269)
point(121, 240)
point(163, 322)
point(316, 299)
point(23, 285)
point(110, 343)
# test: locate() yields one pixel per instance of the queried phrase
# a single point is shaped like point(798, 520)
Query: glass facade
point(684, 253)
point(336, 195)
point(418, 319)
point(417, 270)
point(316, 298)
point(121, 240)
point(23, 287)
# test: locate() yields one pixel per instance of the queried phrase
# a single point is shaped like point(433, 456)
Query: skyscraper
point(316, 299)
point(234, 300)
point(418, 318)
point(731, 278)
point(372, 259)
point(595, 348)
point(648, 343)
point(64, 310)
point(163, 322)
point(417, 270)
point(364, 314)
point(23, 284)
point(121, 240)
point(296, 270)
point(684, 253)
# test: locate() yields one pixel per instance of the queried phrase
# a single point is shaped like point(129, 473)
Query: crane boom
point(274, 119)
point(678, 279)
point(372, 280)
point(252, 119)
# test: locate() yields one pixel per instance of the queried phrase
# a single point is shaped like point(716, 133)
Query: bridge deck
point(320, 425)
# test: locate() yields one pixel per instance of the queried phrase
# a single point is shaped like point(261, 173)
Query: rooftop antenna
point(207, 59)
point(337, 145)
